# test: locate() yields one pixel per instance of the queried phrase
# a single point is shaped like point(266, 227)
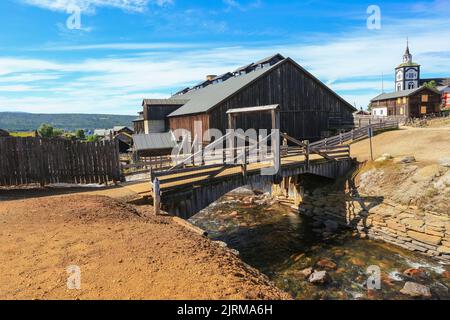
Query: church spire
point(407, 57)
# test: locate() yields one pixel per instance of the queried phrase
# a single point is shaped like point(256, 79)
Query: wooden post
point(157, 196)
point(245, 163)
point(306, 142)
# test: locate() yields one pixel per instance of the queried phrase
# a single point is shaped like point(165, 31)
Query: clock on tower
point(407, 75)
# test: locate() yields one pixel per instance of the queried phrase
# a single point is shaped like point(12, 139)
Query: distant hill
point(21, 121)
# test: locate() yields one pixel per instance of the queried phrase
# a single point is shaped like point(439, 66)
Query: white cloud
point(351, 64)
point(89, 6)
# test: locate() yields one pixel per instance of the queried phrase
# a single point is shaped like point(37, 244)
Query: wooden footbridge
point(201, 178)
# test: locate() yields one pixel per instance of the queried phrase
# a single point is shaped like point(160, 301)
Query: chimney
point(210, 77)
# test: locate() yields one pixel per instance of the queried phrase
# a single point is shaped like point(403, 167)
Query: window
point(405, 101)
point(411, 85)
point(423, 110)
point(402, 111)
point(424, 98)
point(399, 100)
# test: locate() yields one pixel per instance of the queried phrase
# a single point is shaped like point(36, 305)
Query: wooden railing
point(355, 134)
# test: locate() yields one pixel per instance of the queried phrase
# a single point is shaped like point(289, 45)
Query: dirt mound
point(122, 252)
point(94, 208)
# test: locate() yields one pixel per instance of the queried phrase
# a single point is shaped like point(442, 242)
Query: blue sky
point(127, 50)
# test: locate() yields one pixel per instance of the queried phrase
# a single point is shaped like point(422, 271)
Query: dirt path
point(428, 145)
point(123, 253)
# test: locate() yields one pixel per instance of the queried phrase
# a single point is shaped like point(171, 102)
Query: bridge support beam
point(187, 201)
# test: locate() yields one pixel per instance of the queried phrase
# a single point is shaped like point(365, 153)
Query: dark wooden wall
point(308, 109)
point(44, 161)
point(159, 112)
point(415, 103)
point(139, 126)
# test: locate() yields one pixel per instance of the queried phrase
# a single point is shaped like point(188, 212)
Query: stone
point(424, 237)
point(444, 250)
point(357, 262)
point(387, 156)
point(413, 223)
point(427, 174)
point(331, 225)
point(415, 273)
point(319, 277)
point(416, 290)
point(445, 162)
point(234, 214)
point(307, 272)
point(407, 159)
point(326, 264)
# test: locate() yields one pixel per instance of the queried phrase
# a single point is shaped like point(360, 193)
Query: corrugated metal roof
point(202, 100)
point(170, 101)
point(398, 94)
point(154, 141)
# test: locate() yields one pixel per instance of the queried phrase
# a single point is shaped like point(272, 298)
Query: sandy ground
point(428, 145)
point(124, 252)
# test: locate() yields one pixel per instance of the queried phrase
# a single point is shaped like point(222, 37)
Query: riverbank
point(311, 262)
point(123, 252)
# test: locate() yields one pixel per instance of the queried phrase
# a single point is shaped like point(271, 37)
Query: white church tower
point(407, 75)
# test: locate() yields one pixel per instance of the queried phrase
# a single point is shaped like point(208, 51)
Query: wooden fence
point(46, 161)
point(356, 134)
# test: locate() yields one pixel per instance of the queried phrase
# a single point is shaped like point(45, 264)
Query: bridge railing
point(356, 134)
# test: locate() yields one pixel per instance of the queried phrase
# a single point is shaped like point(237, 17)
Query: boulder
point(326, 264)
point(415, 273)
point(319, 277)
point(416, 290)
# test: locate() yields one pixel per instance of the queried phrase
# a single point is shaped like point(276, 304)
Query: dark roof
point(439, 81)
point(4, 133)
point(400, 94)
point(248, 66)
point(268, 59)
point(203, 100)
point(154, 141)
point(162, 102)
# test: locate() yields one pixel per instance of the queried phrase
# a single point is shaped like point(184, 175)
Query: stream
point(281, 244)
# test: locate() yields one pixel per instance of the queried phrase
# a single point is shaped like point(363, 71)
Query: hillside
point(19, 121)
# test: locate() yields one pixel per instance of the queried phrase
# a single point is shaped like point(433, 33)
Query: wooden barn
point(308, 108)
point(413, 103)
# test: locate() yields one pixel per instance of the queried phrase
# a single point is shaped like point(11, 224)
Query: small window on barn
point(423, 110)
point(402, 112)
point(404, 100)
point(424, 98)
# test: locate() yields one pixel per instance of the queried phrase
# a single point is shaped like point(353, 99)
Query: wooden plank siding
point(35, 160)
point(308, 108)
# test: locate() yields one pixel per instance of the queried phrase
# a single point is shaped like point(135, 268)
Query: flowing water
point(281, 244)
